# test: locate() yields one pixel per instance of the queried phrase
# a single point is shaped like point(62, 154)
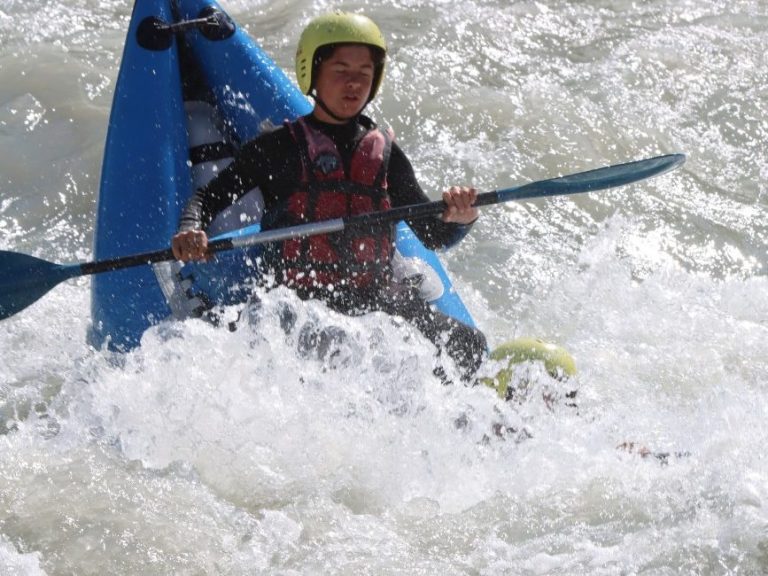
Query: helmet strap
point(327, 110)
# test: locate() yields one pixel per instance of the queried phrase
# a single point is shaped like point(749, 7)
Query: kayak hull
point(144, 183)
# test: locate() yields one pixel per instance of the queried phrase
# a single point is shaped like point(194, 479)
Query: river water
point(206, 451)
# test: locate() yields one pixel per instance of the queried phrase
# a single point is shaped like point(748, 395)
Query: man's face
point(344, 81)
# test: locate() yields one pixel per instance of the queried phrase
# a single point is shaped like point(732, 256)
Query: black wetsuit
point(272, 162)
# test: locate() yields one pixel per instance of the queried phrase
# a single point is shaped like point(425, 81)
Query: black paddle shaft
point(126, 262)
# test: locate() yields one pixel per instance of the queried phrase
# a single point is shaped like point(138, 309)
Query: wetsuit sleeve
point(256, 164)
point(404, 190)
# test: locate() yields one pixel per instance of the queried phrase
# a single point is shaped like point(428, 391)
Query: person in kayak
point(336, 162)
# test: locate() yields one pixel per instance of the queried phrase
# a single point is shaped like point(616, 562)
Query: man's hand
point(460, 200)
point(190, 245)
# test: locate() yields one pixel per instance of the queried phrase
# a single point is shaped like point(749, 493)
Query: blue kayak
point(192, 87)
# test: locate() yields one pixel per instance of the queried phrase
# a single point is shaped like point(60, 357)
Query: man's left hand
point(460, 201)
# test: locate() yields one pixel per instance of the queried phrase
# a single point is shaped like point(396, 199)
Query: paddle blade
point(25, 279)
point(621, 174)
point(593, 180)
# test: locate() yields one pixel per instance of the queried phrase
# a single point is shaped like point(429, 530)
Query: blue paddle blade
point(25, 279)
point(593, 180)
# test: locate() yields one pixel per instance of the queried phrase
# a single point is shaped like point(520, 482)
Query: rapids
point(207, 451)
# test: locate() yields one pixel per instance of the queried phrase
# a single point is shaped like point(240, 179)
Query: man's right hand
point(190, 245)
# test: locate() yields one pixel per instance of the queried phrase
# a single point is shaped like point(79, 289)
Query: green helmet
point(336, 28)
point(557, 361)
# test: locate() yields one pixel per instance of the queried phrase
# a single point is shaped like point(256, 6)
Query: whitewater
point(209, 451)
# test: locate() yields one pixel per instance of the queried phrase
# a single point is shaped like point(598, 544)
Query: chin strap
point(328, 111)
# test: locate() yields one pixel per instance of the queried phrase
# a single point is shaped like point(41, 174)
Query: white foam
point(207, 451)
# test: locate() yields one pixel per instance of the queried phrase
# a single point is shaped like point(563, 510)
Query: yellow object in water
point(557, 361)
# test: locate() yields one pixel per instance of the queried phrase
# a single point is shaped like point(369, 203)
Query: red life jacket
point(357, 258)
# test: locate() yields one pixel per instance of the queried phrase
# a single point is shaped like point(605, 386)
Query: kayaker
point(336, 162)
